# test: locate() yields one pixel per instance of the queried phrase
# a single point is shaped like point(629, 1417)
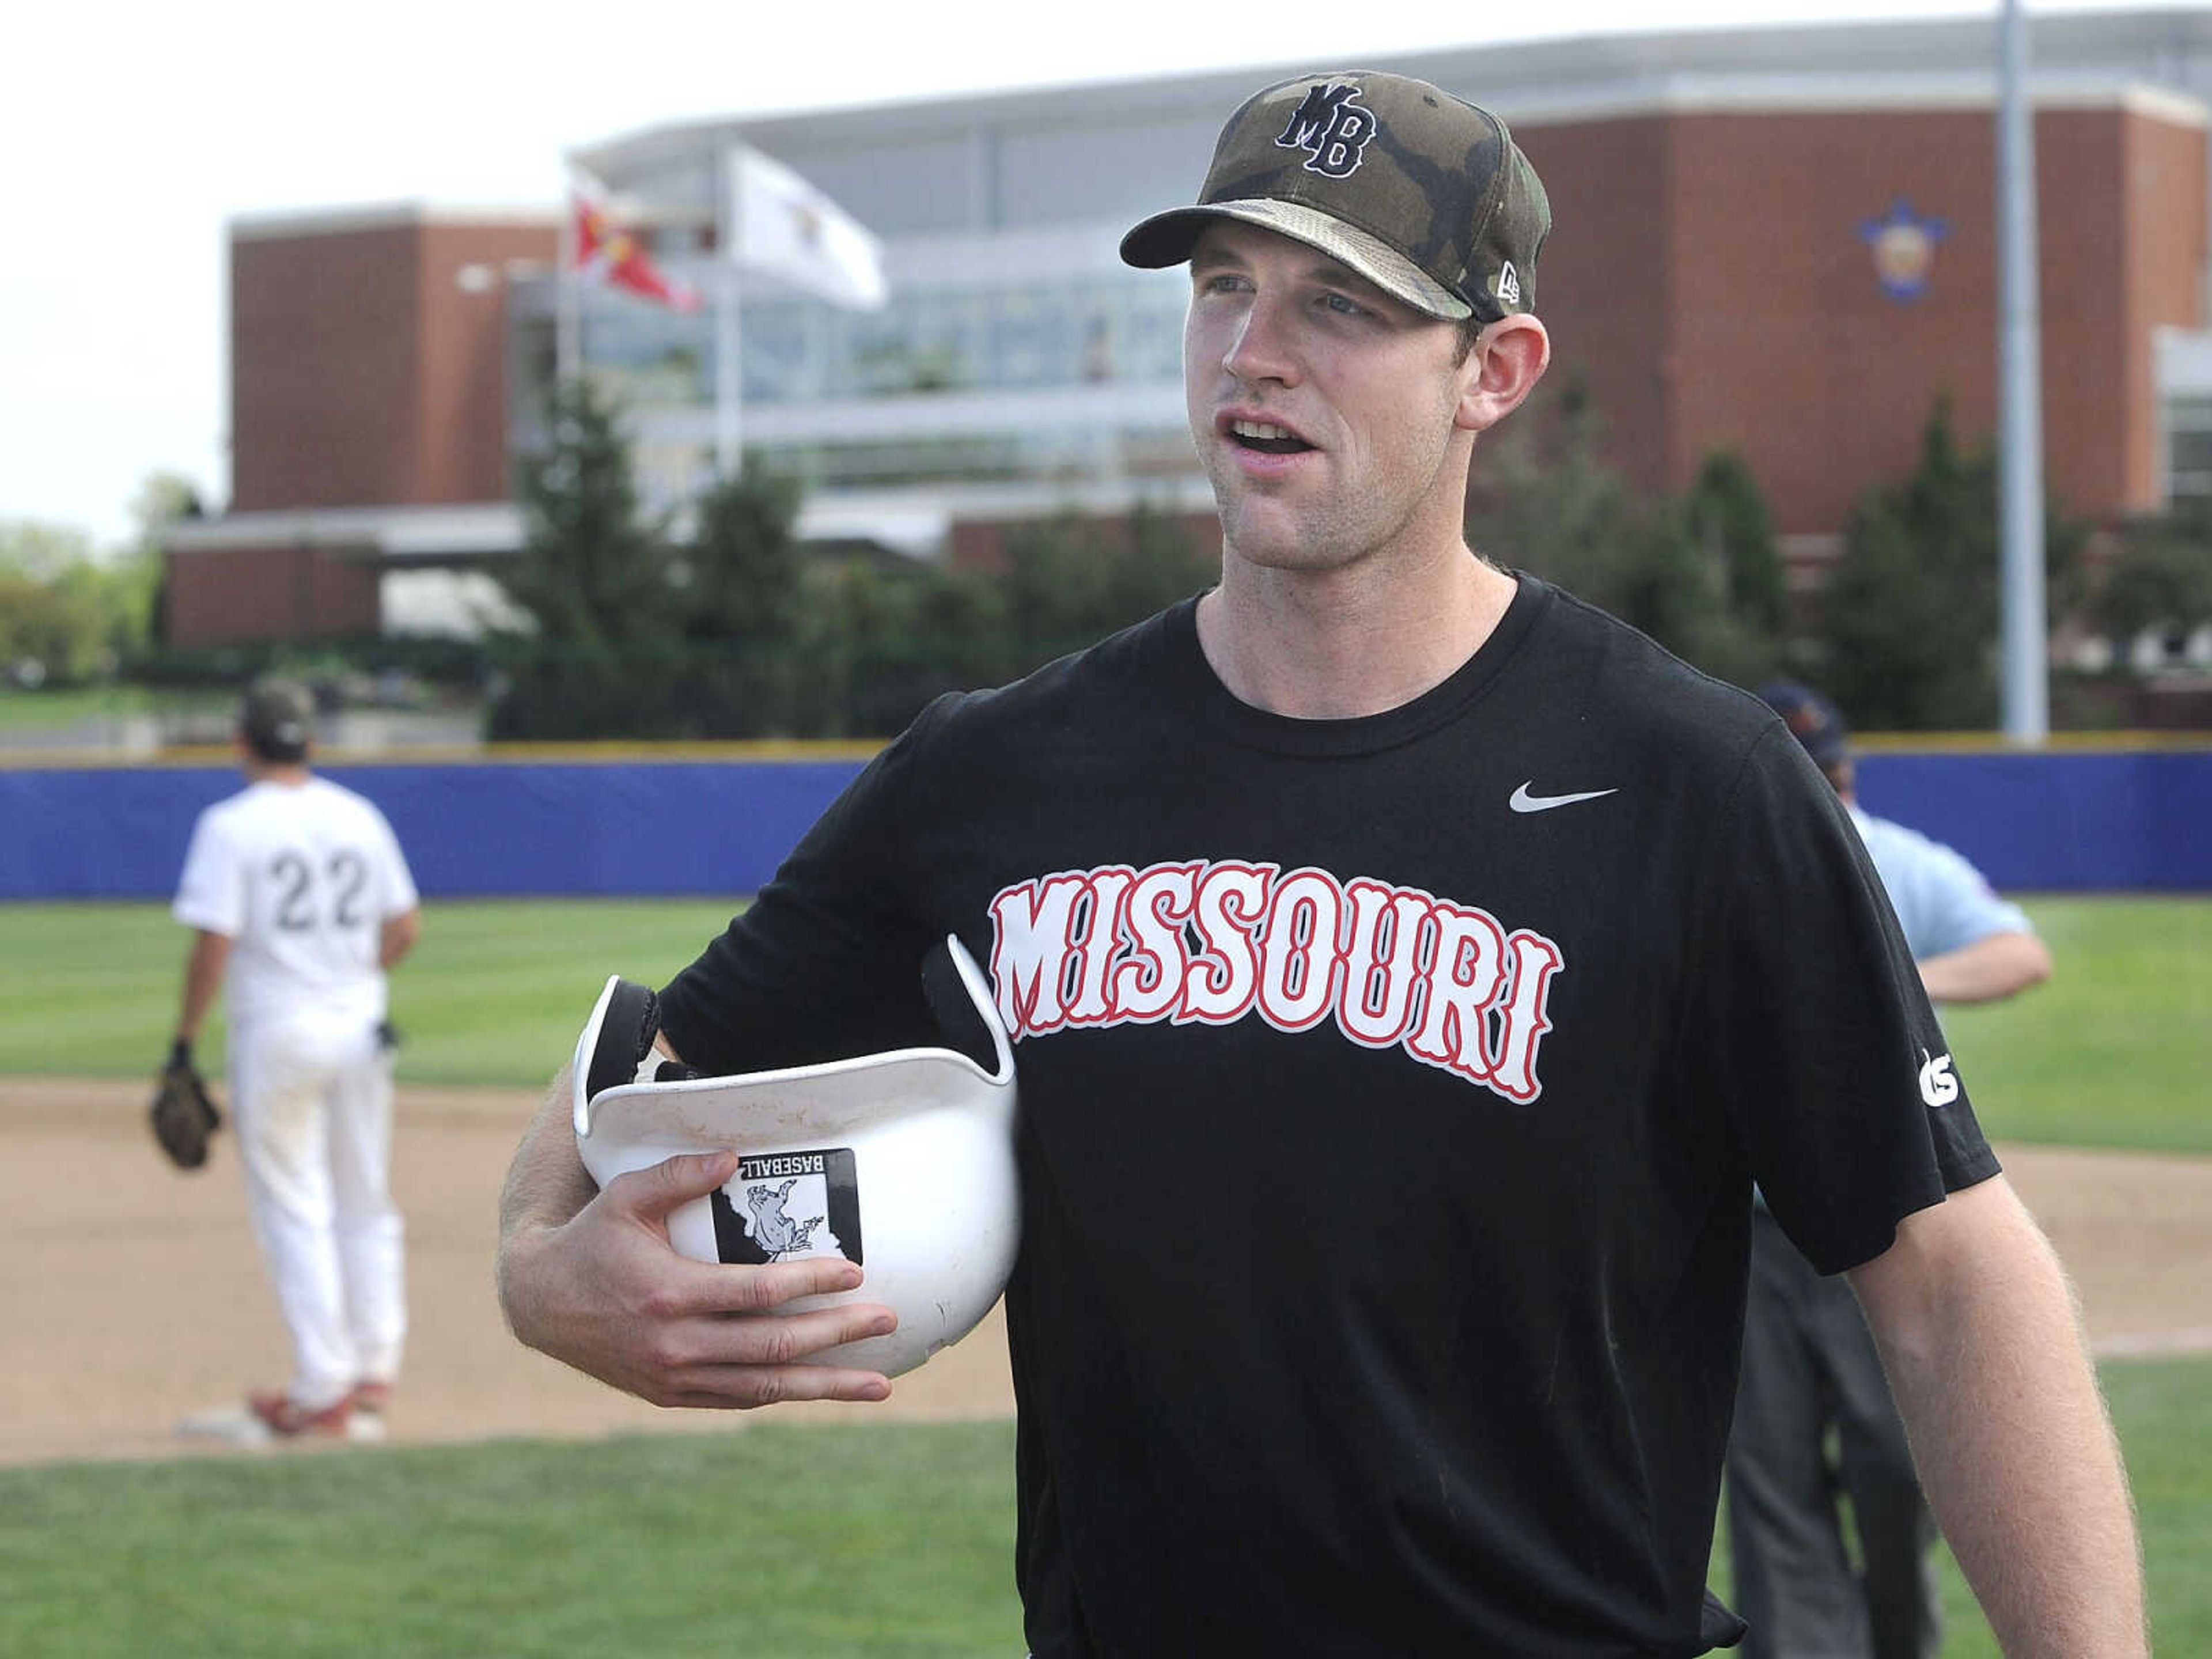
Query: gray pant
point(1810, 1365)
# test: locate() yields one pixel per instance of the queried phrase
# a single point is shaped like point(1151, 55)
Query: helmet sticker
point(781, 1206)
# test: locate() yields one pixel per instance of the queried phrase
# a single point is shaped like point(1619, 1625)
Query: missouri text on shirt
point(1210, 942)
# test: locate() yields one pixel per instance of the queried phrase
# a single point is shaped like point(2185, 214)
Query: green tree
point(1725, 515)
point(603, 654)
point(880, 638)
point(67, 614)
point(1540, 500)
point(40, 551)
point(162, 499)
point(1698, 576)
point(2161, 576)
point(593, 573)
point(1071, 581)
point(856, 639)
point(739, 631)
point(1161, 563)
point(740, 575)
point(1909, 614)
point(51, 633)
point(737, 597)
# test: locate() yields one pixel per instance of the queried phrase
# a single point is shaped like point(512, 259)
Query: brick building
point(368, 415)
point(1781, 241)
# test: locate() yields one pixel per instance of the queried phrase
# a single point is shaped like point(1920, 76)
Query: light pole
point(2025, 634)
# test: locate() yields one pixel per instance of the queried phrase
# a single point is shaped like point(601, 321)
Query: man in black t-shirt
point(1411, 969)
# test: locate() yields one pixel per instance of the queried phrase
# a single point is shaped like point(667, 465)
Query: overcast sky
point(135, 132)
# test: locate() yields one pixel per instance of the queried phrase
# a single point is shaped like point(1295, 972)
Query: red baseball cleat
point(286, 1421)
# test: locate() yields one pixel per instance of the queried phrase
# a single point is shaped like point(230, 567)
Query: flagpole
point(568, 301)
point(2025, 631)
point(729, 340)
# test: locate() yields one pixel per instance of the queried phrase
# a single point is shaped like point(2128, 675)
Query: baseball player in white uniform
point(301, 900)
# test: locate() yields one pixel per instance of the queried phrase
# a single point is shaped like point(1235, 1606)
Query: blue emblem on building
point(1904, 244)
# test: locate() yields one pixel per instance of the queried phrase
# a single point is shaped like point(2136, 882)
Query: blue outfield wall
point(2099, 822)
point(2046, 823)
point(671, 827)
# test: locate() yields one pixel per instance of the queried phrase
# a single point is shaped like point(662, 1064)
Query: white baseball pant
point(312, 1104)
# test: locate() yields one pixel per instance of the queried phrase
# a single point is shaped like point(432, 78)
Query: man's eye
point(1343, 307)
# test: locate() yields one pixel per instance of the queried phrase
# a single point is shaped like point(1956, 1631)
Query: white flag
point(789, 229)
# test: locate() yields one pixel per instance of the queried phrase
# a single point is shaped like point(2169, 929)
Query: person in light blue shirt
point(1814, 1421)
point(1970, 945)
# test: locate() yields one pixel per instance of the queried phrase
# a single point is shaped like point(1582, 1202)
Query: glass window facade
point(1084, 330)
point(1094, 330)
point(2189, 447)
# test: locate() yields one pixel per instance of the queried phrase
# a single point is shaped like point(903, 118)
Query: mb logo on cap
point(1330, 127)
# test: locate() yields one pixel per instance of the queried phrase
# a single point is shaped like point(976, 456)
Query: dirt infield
point(134, 1297)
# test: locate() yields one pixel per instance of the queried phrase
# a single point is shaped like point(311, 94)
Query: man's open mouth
point(1268, 440)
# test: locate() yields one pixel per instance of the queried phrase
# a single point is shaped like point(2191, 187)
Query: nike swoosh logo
point(1522, 801)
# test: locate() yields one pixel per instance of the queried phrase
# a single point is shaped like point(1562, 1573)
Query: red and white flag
point(605, 252)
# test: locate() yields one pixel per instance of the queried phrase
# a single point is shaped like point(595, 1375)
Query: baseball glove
point(183, 1116)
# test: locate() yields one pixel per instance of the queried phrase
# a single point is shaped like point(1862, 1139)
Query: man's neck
point(1341, 644)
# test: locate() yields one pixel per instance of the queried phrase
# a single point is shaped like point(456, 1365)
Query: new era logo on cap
point(1424, 194)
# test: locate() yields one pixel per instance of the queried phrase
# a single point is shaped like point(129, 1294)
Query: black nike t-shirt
point(1391, 1093)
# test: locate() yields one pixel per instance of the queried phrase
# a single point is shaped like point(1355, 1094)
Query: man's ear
point(1509, 358)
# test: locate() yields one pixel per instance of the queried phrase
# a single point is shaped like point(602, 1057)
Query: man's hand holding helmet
point(607, 1293)
point(704, 1242)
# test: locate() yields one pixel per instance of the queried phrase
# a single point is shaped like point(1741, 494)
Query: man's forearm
point(1985, 1351)
point(396, 937)
point(1996, 966)
point(547, 1183)
point(204, 967)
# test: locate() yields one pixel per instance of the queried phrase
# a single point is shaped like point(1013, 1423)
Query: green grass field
point(893, 1542)
point(2113, 1052)
point(2116, 1050)
point(775, 1539)
point(495, 995)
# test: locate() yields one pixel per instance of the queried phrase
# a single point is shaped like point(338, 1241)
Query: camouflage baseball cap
point(277, 718)
point(1423, 194)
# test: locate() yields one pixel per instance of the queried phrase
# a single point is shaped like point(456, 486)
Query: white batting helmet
point(902, 1161)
